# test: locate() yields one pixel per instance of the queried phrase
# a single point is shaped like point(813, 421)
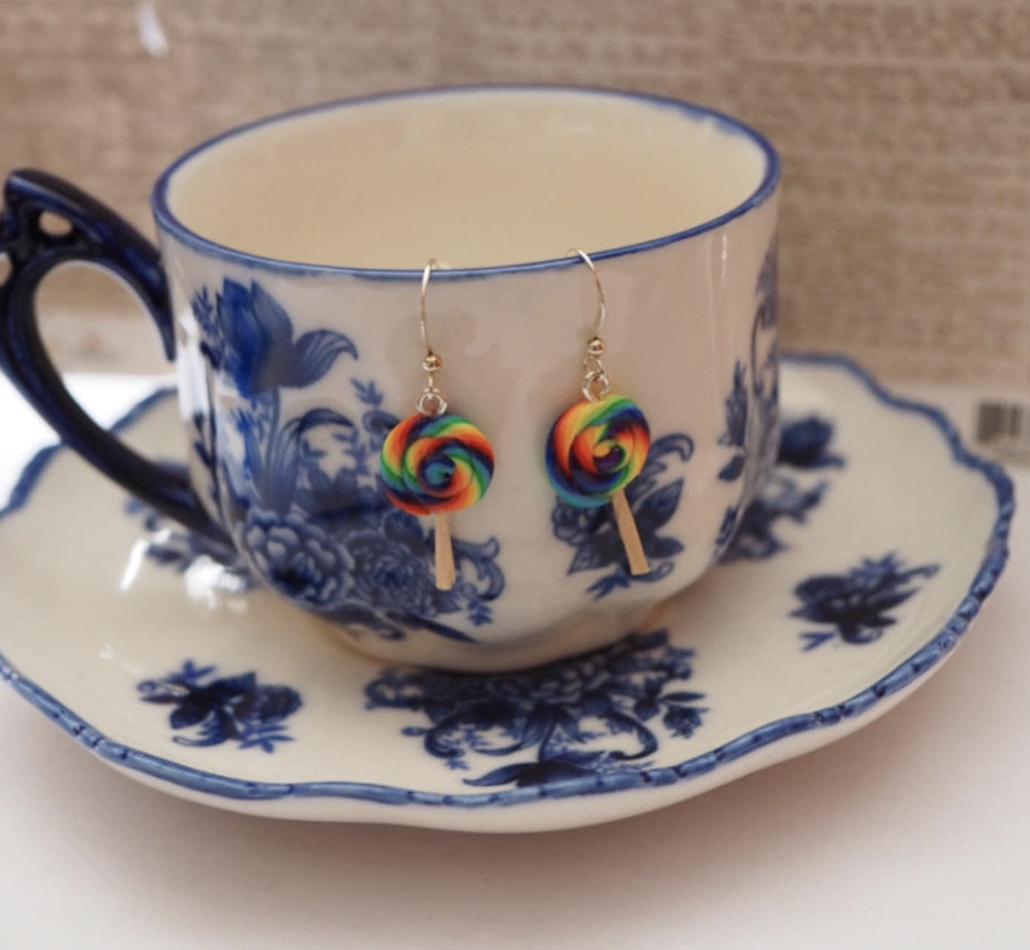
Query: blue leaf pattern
point(735, 434)
point(733, 469)
point(249, 336)
point(313, 356)
point(736, 410)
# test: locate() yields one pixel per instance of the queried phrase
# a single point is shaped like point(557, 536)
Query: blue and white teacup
point(286, 289)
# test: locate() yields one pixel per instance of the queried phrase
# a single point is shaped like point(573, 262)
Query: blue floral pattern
point(590, 715)
point(228, 709)
point(736, 426)
point(804, 446)
point(304, 495)
point(752, 411)
point(856, 605)
point(652, 498)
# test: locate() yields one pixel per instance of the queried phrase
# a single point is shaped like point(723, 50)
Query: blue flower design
point(394, 571)
point(306, 495)
point(595, 535)
point(589, 715)
point(297, 558)
point(804, 446)
point(857, 605)
point(233, 708)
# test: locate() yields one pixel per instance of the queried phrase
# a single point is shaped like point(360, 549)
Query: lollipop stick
point(444, 552)
point(630, 536)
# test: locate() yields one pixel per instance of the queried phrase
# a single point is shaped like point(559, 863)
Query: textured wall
point(904, 124)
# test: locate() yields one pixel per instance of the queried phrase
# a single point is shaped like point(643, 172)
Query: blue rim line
point(168, 221)
point(903, 675)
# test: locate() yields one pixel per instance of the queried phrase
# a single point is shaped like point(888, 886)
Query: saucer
point(857, 569)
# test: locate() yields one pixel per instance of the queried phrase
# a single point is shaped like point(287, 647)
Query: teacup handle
point(96, 235)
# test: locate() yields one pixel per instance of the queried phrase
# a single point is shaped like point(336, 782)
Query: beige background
point(904, 127)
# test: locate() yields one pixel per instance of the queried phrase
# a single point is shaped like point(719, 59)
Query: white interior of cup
point(474, 177)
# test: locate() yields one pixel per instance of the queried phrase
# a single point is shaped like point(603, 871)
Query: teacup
point(287, 291)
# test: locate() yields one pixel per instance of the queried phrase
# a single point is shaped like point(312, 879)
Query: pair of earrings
point(436, 462)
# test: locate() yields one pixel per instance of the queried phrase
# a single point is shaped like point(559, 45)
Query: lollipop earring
point(598, 446)
point(435, 462)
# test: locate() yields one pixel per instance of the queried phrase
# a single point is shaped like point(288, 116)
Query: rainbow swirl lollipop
point(436, 464)
point(596, 449)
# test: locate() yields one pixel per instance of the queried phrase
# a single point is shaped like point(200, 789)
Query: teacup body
point(291, 376)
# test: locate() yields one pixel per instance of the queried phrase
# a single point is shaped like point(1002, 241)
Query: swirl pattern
point(436, 464)
point(596, 449)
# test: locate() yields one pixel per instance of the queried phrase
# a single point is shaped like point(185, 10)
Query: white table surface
point(914, 832)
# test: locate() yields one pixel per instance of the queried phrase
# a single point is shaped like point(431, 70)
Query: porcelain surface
point(857, 569)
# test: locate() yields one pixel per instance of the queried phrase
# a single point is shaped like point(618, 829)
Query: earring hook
point(596, 384)
point(600, 315)
point(432, 402)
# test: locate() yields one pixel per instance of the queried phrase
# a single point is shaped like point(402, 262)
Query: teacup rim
point(167, 220)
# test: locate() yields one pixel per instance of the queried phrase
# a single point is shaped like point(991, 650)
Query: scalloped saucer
point(855, 572)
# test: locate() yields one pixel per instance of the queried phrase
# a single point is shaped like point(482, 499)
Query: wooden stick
point(444, 552)
point(630, 536)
